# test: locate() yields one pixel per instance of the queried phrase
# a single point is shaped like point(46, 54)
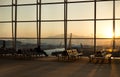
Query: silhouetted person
point(4, 45)
point(99, 54)
point(40, 51)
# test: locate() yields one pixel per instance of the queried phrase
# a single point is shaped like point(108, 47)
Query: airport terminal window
point(83, 43)
point(81, 29)
point(117, 29)
point(80, 18)
point(104, 10)
point(26, 43)
point(103, 44)
point(5, 30)
point(117, 11)
point(104, 29)
point(52, 30)
point(24, 13)
point(26, 30)
point(5, 2)
point(52, 12)
point(77, 11)
point(26, 1)
point(117, 44)
point(5, 14)
point(79, 0)
point(50, 1)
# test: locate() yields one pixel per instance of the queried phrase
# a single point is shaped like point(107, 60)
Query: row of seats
point(71, 54)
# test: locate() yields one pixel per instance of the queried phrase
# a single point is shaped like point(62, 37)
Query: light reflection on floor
point(47, 67)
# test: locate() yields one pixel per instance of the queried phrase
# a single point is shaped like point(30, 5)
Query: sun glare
point(108, 33)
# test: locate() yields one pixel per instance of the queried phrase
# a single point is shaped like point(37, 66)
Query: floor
point(50, 67)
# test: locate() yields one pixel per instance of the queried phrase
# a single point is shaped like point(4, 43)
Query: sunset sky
point(56, 12)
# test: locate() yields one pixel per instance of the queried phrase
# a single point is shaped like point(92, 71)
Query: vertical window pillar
point(113, 24)
point(39, 23)
point(94, 25)
point(15, 22)
point(65, 24)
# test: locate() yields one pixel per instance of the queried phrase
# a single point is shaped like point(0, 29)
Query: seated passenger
point(40, 51)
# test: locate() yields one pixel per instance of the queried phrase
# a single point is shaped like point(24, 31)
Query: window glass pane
point(117, 29)
point(26, 30)
point(52, 45)
point(81, 10)
point(104, 29)
point(79, 0)
point(82, 43)
point(104, 9)
point(5, 2)
point(52, 29)
point(26, 1)
point(81, 29)
point(53, 12)
point(5, 13)
point(47, 1)
point(5, 30)
point(103, 44)
point(26, 43)
point(117, 9)
point(26, 13)
point(8, 43)
point(117, 43)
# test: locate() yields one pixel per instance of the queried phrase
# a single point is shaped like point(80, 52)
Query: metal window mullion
point(37, 20)
point(15, 32)
point(95, 25)
point(65, 24)
point(40, 23)
point(12, 24)
point(113, 24)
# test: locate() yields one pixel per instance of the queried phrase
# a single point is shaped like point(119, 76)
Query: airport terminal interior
point(63, 38)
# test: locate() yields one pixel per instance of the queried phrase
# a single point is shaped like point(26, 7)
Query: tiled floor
point(50, 67)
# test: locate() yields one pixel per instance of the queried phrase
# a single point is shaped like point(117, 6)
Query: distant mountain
point(68, 36)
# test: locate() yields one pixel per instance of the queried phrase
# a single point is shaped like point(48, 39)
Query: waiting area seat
point(100, 57)
point(69, 55)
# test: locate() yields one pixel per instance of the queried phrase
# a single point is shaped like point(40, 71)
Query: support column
point(39, 23)
point(65, 24)
point(113, 24)
point(95, 26)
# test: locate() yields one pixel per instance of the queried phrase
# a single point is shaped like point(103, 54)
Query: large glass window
point(26, 1)
point(117, 43)
point(53, 12)
point(82, 43)
point(50, 1)
point(5, 30)
point(104, 29)
point(26, 13)
point(52, 30)
point(8, 42)
point(26, 30)
point(117, 12)
point(5, 2)
point(26, 43)
point(52, 43)
point(117, 29)
point(80, 0)
point(80, 22)
point(103, 44)
point(104, 9)
point(5, 13)
point(81, 10)
point(81, 29)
